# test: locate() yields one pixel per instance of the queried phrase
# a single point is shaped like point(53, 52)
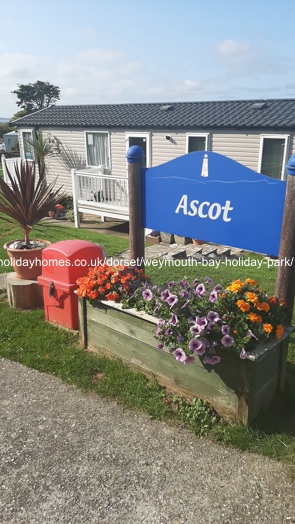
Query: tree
point(32, 97)
point(4, 128)
point(19, 114)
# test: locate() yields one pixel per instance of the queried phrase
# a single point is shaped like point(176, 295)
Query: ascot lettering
point(204, 209)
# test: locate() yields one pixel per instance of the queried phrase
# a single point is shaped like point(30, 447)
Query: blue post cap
point(290, 167)
point(135, 154)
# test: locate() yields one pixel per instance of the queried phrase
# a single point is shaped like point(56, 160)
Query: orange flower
point(112, 296)
point(279, 331)
point(93, 295)
point(244, 306)
point(262, 306)
point(252, 297)
point(251, 282)
point(273, 300)
point(267, 328)
point(254, 318)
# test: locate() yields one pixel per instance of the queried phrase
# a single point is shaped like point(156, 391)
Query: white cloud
point(103, 75)
point(17, 65)
point(99, 56)
point(242, 58)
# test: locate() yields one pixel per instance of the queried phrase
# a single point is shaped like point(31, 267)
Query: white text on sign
point(204, 209)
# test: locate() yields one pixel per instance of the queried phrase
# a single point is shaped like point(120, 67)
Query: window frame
point(147, 136)
point(23, 151)
point(98, 132)
point(203, 135)
point(286, 148)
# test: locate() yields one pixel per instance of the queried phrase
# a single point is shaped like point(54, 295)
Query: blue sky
point(120, 51)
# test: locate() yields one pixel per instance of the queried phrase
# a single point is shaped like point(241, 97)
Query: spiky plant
point(26, 200)
point(41, 148)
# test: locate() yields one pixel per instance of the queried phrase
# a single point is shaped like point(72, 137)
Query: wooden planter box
point(237, 389)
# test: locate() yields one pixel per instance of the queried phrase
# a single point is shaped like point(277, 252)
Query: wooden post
point(285, 282)
point(135, 157)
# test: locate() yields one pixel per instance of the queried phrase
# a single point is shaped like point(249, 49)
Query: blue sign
point(210, 197)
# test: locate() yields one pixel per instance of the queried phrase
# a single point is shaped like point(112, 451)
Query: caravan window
point(98, 149)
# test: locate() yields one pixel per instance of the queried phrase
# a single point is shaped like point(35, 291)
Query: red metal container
point(62, 264)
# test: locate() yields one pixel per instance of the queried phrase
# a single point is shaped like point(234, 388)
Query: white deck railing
point(100, 195)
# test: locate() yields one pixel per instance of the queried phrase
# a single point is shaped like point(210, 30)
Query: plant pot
point(238, 389)
point(27, 263)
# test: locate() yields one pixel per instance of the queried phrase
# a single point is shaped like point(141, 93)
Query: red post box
point(62, 264)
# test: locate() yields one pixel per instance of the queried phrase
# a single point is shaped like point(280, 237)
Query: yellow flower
point(252, 297)
point(279, 331)
point(267, 328)
point(235, 286)
point(244, 306)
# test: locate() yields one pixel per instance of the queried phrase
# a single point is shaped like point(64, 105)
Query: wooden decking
point(99, 194)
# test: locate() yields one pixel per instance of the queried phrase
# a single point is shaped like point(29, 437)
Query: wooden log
point(285, 282)
point(135, 158)
point(24, 294)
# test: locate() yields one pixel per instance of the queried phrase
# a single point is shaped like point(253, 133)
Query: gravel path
point(74, 458)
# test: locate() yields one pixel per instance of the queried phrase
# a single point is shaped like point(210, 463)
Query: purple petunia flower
point(180, 338)
point(196, 281)
point(225, 329)
point(200, 290)
point(184, 283)
point(251, 334)
point(165, 294)
point(197, 346)
point(161, 323)
point(183, 293)
point(214, 360)
point(192, 320)
point(180, 355)
point(185, 304)
point(212, 317)
point(243, 353)
point(160, 347)
point(217, 288)
point(172, 284)
point(147, 294)
point(189, 360)
point(213, 296)
point(159, 332)
point(209, 281)
point(168, 332)
point(172, 300)
point(202, 322)
point(227, 341)
point(196, 329)
point(173, 320)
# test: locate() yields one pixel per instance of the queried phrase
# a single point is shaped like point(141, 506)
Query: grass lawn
point(54, 233)
point(27, 338)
